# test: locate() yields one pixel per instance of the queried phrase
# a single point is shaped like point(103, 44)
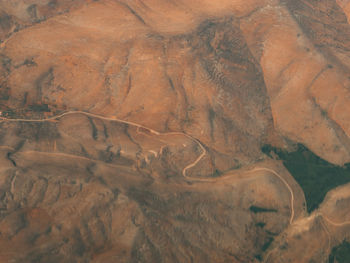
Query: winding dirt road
point(189, 166)
point(2, 119)
point(185, 169)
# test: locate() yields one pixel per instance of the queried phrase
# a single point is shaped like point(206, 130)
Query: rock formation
point(132, 131)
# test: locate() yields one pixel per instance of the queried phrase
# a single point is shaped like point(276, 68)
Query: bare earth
point(131, 130)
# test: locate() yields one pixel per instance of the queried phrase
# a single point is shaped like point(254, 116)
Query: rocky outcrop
point(131, 131)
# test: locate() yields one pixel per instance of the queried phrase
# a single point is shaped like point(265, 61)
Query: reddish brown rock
point(151, 116)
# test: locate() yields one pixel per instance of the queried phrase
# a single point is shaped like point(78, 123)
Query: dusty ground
point(131, 131)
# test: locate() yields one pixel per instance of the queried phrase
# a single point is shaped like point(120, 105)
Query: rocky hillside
point(132, 130)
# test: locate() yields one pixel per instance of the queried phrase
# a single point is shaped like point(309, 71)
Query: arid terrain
point(174, 131)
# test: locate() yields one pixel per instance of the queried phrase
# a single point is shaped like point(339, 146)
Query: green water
point(315, 175)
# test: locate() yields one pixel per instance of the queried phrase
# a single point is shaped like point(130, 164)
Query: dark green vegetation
point(315, 175)
point(39, 107)
point(261, 224)
point(267, 244)
point(340, 254)
point(258, 209)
